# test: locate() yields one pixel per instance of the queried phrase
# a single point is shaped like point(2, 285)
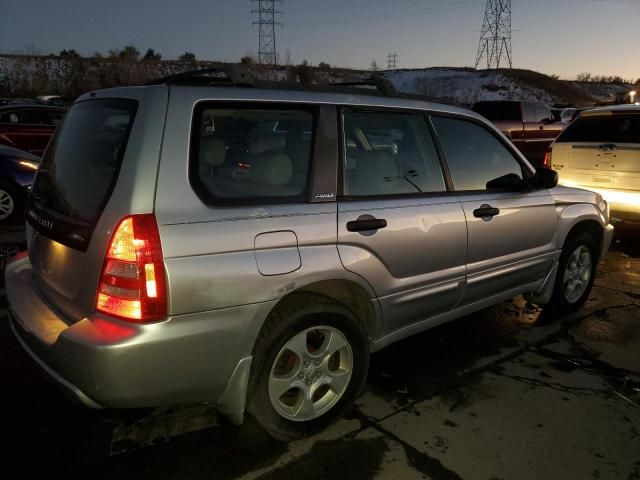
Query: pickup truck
point(529, 125)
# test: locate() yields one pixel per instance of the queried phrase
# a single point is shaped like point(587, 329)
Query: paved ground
point(502, 394)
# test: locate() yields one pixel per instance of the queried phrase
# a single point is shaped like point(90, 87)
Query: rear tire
point(310, 364)
point(576, 274)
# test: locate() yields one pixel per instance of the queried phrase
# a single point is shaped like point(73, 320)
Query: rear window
point(251, 155)
point(615, 128)
point(499, 110)
point(81, 165)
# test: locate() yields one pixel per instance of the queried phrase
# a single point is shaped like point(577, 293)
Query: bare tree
point(374, 65)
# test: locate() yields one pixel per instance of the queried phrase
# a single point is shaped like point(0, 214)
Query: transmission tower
point(392, 61)
point(266, 21)
point(495, 39)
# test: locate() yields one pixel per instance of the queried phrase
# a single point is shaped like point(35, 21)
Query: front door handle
point(486, 211)
point(366, 224)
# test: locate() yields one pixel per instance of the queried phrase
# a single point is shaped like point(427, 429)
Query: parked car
point(600, 151)
point(29, 127)
point(55, 100)
point(529, 125)
point(156, 273)
point(17, 171)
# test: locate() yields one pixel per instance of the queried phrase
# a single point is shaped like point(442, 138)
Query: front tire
point(576, 274)
point(310, 364)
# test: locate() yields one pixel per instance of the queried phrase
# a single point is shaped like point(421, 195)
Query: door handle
point(486, 211)
point(366, 225)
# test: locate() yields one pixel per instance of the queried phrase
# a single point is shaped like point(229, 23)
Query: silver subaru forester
point(204, 239)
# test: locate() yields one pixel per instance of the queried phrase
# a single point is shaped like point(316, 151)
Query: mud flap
point(543, 295)
point(233, 401)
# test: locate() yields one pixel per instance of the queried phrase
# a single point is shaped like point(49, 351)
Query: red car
point(29, 127)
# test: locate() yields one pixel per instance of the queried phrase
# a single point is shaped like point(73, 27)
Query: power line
point(374, 13)
point(495, 38)
point(392, 61)
point(266, 21)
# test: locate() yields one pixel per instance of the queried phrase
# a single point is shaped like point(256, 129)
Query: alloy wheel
point(310, 373)
point(577, 274)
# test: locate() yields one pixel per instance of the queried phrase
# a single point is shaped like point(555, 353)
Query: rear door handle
point(486, 211)
point(366, 225)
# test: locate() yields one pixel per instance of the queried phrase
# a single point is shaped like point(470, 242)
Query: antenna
point(267, 13)
point(495, 39)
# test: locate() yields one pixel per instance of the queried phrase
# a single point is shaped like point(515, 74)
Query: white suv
point(600, 151)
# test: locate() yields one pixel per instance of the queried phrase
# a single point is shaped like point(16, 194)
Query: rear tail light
point(547, 159)
point(132, 283)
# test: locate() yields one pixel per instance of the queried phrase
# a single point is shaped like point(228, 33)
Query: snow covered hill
point(467, 86)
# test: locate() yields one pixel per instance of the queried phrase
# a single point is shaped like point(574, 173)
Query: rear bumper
point(104, 362)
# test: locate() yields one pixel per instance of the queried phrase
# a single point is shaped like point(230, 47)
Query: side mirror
point(547, 121)
point(545, 178)
point(511, 182)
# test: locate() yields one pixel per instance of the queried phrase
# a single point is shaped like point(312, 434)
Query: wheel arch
point(578, 218)
point(350, 294)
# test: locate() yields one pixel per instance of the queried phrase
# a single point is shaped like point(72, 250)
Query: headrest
point(212, 152)
point(361, 139)
point(271, 168)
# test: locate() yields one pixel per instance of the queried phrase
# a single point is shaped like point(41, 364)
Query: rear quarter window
point(243, 155)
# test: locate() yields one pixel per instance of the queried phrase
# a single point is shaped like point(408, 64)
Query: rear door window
point(390, 154)
point(251, 155)
point(81, 165)
point(616, 128)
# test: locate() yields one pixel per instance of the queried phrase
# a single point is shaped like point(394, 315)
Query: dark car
point(17, 171)
point(530, 125)
point(29, 127)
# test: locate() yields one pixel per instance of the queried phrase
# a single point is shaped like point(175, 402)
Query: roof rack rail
point(238, 75)
point(226, 74)
point(383, 85)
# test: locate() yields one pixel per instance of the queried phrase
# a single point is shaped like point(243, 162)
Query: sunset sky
point(554, 37)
